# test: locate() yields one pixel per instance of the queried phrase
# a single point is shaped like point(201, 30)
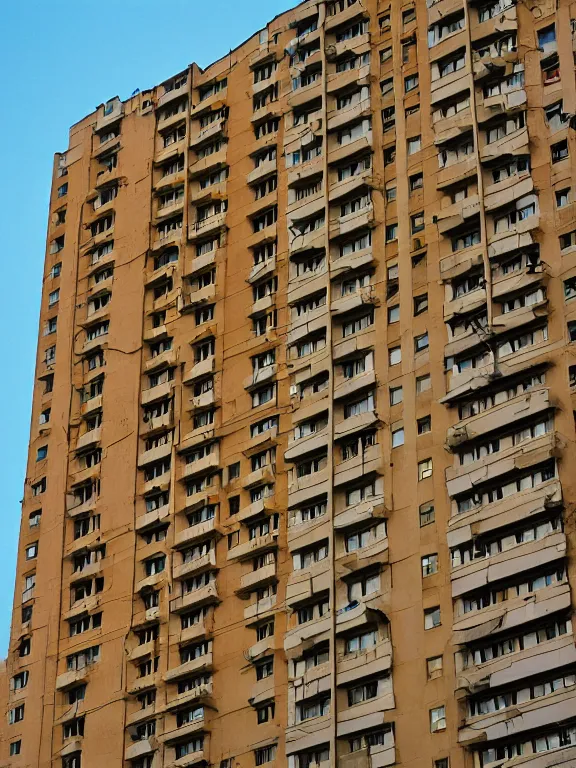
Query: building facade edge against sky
point(251, 364)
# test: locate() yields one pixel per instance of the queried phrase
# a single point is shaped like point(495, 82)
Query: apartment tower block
point(303, 443)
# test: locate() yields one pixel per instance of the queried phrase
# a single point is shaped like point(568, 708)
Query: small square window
point(397, 437)
point(394, 313)
point(559, 151)
point(432, 617)
point(395, 395)
point(385, 54)
point(414, 145)
point(234, 505)
point(442, 763)
point(15, 748)
point(392, 272)
point(435, 667)
point(233, 471)
point(416, 223)
point(421, 342)
point(426, 512)
point(391, 232)
point(424, 469)
point(390, 194)
point(424, 425)
point(416, 181)
point(410, 83)
point(408, 16)
point(429, 565)
point(395, 355)
point(420, 304)
point(437, 719)
point(41, 453)
point(233, 538)
point(572, 330)
point(389, 155)
point(562, 197)
point(423, 383)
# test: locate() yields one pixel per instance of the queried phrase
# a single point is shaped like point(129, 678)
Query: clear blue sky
point(59, 60)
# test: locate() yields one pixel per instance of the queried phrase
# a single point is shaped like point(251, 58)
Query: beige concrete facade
point(302, 456)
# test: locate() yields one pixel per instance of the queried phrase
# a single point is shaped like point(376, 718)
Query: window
point(63, 190)
point(424, 469)
point(73, 728)
point(32, 551)
point(15, 747)
point(20, 680)
point(394, 356)
point(434, 667)
point(397, 437)
point(562, 197)
point(432, 618)
point(16, 715)
point(442, 763)
point(410, 83)
point(391, 232)
point(53, 297)
point(429, 565)
point(424, 425)
point(423, 384)
point(265, 754)
point(361, 642)
point(394, 314)
point(310, 708)
point(42, 453)
point(364, 692)
point(437, 719)
point(77, 693)
point(367, 584)
point(85, 624)
point(395, 395)
point(546, 37)
point(265, 713)
point(73, 760)
point(413, 145)
point(420, 304)
point(421, 342)
point(39, 487)
point(559, 151)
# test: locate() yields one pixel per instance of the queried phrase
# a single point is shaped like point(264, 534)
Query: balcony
point(89, 438)
point(519, 408)
point(200, 664)
point(256, 546)
point(528, 715)
point(200, 135)
point(304, 488)
point(344, 225)
point(260, 608)
point(208, 226)
point(201, 466)
point(367, 461)
point(140, 748)
point(515, 559)
point(154, 454)
point(200, 369)
point(202, 530)
point(255, 580)
point(306, 582)
point(198, 597)
point(504, 670)
point(196, 565)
